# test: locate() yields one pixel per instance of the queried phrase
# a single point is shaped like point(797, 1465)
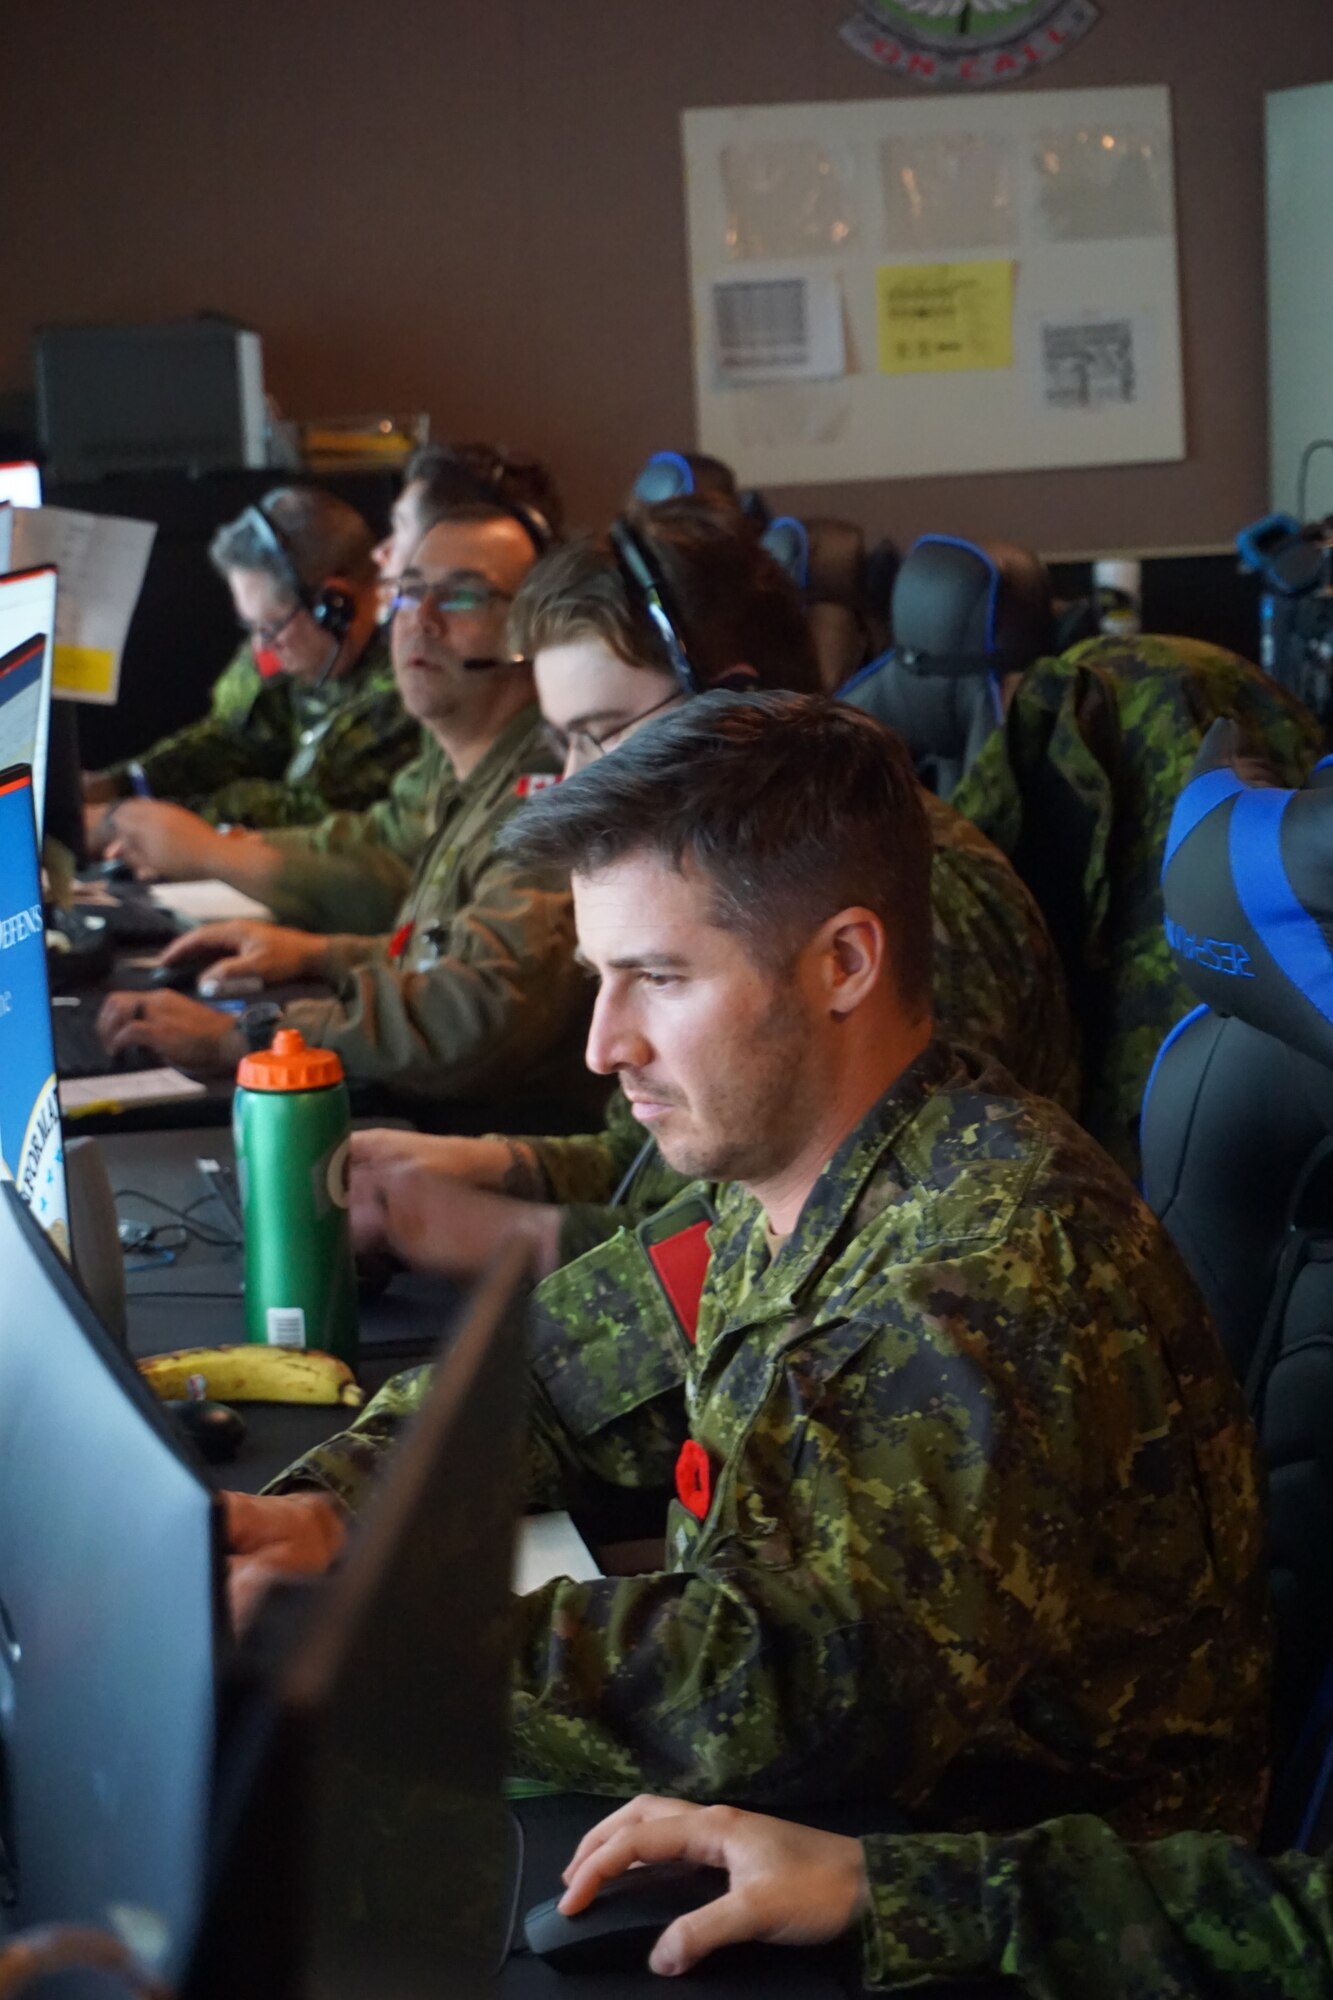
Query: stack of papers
point(208, 902)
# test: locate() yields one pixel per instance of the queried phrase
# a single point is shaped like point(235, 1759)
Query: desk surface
point(195, 1301)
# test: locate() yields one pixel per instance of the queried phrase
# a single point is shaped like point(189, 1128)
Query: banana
point(252, 1374)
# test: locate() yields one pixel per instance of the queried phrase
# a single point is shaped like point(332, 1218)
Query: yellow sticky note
point(84, 670)
point(940, 318)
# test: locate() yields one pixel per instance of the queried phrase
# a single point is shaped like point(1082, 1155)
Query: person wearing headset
point(350, 870)
point(966, 1517)
point(622, 628)
point(472, 990)
point(306, 719)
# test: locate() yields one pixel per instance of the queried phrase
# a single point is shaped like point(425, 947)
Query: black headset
point(484, 468)
point(332, 608)
point(643, 576)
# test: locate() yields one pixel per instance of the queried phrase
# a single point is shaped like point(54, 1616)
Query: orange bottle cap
point(289, 1065)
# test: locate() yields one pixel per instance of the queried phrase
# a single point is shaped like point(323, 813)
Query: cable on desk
point(216, 1239)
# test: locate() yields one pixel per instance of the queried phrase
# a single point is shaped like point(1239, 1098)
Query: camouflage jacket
point(280, 753)
point(967, 1510)
point(476, 992)
point(1078, 790)
point(352, 871)
point(1072, 1913)
point(998, 987)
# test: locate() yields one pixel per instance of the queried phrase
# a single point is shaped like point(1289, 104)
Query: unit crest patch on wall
point(966, 41)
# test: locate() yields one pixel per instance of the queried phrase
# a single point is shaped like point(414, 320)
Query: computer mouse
point(624, 1920)
point(217, 1429)
point(180, 978)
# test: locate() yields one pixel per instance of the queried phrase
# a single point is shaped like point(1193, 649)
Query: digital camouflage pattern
point(475, 993)
point(1078, 790)
point(352, 871)
point(984, 1535)
point(281, 753)
point(998, 987)
point(1073, 1913)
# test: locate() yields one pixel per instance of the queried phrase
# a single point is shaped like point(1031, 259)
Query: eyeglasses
point(580, 746)
point(264, 638)
point(458, 594)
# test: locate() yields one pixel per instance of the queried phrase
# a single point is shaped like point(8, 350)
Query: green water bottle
point(291, 1122)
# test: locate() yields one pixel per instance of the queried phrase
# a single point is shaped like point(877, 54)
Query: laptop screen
point(110, 1610)
point(31, 1146)
point(21, 483)
point(27, 640)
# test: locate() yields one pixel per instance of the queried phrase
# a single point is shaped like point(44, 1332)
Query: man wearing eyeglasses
point(473, 991)
point(306, 719)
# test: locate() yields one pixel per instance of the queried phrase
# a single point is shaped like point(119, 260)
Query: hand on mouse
point(243, 948)
point(788, 1884)
point(174, 1027)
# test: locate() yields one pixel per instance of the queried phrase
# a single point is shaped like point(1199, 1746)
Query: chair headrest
point(1247, 886)
point(970, 607)
point(825, 558)
point(667, 475)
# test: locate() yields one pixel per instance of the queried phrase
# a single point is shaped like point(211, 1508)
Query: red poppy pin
point(399, 942)
point(694, 1479)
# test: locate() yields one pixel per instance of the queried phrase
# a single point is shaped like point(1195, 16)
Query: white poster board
point(1299, 130)
point(906, 287)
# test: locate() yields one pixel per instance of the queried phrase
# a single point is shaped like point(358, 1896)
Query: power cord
point(182, 1219)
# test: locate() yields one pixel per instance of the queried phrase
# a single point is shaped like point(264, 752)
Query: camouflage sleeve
point(247, 733)
point(503, 995)
point(352, 870)
point(582, 1174)
point(1073, 1913)
point(346, 1466)
point(606, 1410)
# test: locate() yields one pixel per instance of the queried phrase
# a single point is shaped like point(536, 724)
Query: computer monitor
point(27, 643)
point(20, 483)
point(110, 1609)
point(32, 1152)
point(364, 1846)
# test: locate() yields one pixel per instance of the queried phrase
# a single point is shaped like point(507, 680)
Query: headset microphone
point(485, 661)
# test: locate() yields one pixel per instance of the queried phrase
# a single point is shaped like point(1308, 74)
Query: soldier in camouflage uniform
point(1078, 790)
point(966, 1510)
point(1066, 1910)
point(475, 992)
point(602, 669)
point(311, 722)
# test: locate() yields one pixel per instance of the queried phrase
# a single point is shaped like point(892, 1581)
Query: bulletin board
point(892, 289)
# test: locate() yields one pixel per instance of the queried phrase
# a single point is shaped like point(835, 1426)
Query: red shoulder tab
point(681, 1264)
point(534, 781)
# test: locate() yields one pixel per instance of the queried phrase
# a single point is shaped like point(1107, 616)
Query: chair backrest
point(964, 615)
point(1237, 1147)
point(826, 560)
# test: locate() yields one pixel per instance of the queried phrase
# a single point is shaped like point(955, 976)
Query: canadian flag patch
point(534, 781)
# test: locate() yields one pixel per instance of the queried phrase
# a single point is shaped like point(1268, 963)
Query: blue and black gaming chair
point(671, 475)
point(1237, 1148)
point(965, 614)
point(826, 560)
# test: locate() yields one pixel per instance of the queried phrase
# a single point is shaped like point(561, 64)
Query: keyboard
point(79, 1049)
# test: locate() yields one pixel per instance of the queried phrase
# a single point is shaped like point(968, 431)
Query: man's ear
point(852, 952)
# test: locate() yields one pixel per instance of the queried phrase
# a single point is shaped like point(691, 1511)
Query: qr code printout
point(1089, 364)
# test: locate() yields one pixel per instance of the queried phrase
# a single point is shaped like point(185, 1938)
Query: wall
point(474, 207)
